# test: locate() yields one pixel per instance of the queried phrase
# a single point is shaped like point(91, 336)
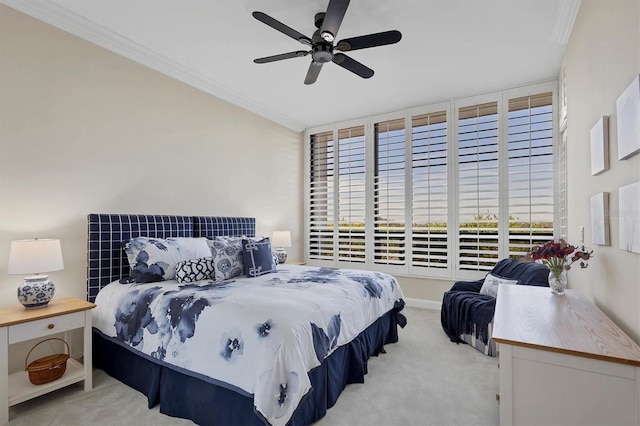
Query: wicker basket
point(49, 368)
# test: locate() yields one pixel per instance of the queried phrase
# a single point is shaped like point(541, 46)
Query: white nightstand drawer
point(45, 327)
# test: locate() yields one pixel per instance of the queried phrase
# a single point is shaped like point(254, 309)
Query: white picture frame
point(628, 120)
point(600, 219)
point(600, 146)
point(629, 211)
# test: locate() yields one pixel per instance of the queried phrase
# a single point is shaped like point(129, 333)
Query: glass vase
point(558, 281)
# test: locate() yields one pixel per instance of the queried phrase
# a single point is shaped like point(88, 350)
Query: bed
point(268, 347)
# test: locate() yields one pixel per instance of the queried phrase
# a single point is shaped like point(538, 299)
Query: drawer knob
point(51, 326)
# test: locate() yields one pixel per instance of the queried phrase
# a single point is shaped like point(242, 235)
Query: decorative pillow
point(192, 270)
point(491, 284)
point(258, 258)
point(227, 256)
point(155, 259)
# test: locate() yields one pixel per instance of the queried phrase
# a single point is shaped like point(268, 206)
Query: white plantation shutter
point(351, 194)
point(429, 190)
point(530, 139)
point(322, 197)
point(389, 193)
point(478, 187)
point(445, 198)
point(562, 215)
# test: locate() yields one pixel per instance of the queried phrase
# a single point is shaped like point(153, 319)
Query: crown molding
point(565, 17)
point(62, 18)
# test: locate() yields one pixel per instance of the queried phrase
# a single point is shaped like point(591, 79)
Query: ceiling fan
point(321, 43)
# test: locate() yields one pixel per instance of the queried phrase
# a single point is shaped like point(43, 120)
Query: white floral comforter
point(261, 335)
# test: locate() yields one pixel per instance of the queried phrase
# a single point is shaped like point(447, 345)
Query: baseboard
point(423, 303)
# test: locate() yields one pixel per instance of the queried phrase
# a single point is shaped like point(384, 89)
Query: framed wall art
point(600, 219)
point(600, 146)
point(628, 120)
point(629, 211)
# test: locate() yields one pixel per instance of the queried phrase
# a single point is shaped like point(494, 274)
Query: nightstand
point(18, 324)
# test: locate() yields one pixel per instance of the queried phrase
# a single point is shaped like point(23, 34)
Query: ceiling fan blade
point(333, 18)
point(370, 40)
point(352, 65)
point(314, 71)
point(277, 25)
point(281, 56)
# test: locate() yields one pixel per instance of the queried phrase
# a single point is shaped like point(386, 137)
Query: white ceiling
point(449, 49)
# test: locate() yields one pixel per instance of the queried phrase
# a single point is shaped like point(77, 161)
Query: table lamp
point(33, 257)
point(280, 240)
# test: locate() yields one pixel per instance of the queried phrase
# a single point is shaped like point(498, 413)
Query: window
point(351, 195)
point(478, 198)
point(530, 139)
point(389, 193)
point(419, 193)
point(321, 197)
point(429, 203)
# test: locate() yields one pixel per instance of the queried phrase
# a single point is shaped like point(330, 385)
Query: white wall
point(83, 130)
point(603, 56)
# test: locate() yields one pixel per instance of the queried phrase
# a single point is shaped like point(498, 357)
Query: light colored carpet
point(424, 379)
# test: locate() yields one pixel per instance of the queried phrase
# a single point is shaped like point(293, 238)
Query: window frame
point(452, 108)
point(454, 216)
point(438, 273)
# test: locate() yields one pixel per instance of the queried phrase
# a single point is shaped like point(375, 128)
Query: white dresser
point(562, 361)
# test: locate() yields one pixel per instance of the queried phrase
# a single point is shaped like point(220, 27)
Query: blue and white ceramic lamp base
point(36, 291)
point(282, 255)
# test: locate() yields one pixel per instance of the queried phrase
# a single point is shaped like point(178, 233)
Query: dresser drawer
point(45, 327)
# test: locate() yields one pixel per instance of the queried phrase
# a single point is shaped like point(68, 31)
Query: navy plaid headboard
point(106, 260)
point(211, 226)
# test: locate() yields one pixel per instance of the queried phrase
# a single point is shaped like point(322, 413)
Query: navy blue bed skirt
point(189, 397)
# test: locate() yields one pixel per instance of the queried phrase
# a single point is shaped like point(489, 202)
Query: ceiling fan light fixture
point(322, 53)
point(321, 43)
point(327, 36)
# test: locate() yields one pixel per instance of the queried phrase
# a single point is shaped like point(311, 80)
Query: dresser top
point(18, 314)
point(533, 317)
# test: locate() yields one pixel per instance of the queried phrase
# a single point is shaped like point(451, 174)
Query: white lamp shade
point(281, 239)
point(35, 256)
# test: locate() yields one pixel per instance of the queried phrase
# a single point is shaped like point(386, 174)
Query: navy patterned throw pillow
point(193, 270)
point(258, 259)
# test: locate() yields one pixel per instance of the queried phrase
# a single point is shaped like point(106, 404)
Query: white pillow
point(491, 284)
point(155, 259)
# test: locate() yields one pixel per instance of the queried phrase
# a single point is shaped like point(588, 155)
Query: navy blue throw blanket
point(463, 306)
point(469, 308)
